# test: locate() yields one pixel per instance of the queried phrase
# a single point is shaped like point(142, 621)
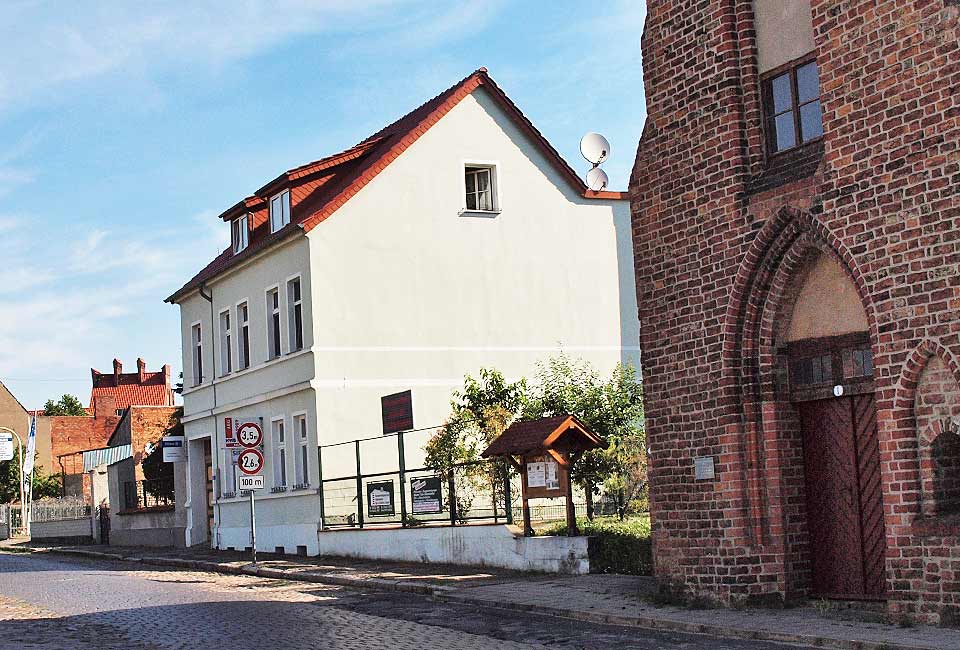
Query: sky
point(125, 128)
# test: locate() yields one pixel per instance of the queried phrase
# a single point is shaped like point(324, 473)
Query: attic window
point(279, 211)
point(240, 233)
point(480, 184)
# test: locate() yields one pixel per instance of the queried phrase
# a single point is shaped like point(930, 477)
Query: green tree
point(479, 413)
point(67, 405)
point(612, 408)
point(44, 485)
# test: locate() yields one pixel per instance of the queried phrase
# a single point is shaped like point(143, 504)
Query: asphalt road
point(54, 602)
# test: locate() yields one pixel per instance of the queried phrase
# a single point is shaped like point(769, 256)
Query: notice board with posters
point(397, 412)
point(380, 501)
point(426, 495)
point(545, 477)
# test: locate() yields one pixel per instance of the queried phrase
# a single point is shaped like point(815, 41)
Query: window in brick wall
point(791, 97)
point(945, 453)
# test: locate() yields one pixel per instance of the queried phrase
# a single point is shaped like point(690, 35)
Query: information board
point(6, 446)
point(380, 499)
point(426, 495)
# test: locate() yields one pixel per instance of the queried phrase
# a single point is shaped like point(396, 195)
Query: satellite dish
point(597, 179)
point(595, 148)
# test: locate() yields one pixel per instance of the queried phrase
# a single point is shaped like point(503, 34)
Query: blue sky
point(126, 127)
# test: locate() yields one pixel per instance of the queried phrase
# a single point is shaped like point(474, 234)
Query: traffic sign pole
point(253, 527)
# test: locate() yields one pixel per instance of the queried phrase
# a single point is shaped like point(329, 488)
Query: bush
point(618, 547)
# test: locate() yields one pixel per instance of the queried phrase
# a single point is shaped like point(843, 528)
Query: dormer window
point(279, 211)
point(241, 233)
point(480, 185)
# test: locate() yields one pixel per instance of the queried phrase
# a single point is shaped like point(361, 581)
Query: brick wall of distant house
point(884, 199)
point(147, 426)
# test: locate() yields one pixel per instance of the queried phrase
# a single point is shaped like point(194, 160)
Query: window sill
point(488, 214)
point(301, 486)
point(276, 489)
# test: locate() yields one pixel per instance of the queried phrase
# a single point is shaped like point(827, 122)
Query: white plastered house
point(456, 238)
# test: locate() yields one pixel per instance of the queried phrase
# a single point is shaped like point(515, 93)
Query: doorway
point(833, 394)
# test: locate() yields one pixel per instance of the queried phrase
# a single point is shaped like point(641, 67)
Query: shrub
point(617, 547)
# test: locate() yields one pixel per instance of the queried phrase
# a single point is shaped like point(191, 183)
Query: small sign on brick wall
point(704, 468)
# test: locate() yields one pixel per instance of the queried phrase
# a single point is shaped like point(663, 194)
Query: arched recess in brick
point(750, 366)
point(926, 423)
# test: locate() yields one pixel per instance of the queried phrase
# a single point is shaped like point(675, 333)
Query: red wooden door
point(844, 502)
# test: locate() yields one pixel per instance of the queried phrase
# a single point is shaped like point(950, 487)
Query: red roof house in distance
point(141, 388)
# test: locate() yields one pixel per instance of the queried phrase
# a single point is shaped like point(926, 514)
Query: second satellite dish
point(595, 148)
point(597, 179)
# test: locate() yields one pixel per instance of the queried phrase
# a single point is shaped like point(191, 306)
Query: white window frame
point(276, 223)
point(240, 233)
point(279, 448)
point(243, 361)
point(269, 311)
point(291, 322)
point(196, 351)
point(302, 458)
point(226, 343)
point(495, 199)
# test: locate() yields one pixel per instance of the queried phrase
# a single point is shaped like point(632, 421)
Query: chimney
point(117, 369)
point(104, 406)
point(142, 370)
point(166, 382)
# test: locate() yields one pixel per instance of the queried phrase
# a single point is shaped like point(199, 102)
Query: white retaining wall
point(64, 528)
point(480, 545)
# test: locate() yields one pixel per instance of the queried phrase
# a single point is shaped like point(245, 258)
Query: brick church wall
point(719, 231)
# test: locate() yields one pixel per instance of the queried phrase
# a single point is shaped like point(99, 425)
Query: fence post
point(452, 497)
point(507, 498)
point(359, 487)
point(403, 487)
point(323, 519)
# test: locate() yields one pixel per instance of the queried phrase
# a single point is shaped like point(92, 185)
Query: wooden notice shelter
point(543, 451)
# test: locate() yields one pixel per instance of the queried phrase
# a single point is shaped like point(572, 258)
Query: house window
point(197, 340)
point(226, 359)
point(279, 211)
point(480, 184)
point(303, 457)
point(273, 323)
point(241, 233)
point(243, 350)
point(295, 314)
point(279, 453)
point(792, 107)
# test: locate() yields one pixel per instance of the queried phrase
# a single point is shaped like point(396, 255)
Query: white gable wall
point(408, 294)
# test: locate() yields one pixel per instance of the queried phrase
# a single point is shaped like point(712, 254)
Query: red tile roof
point(128, 390)
point(319, 188)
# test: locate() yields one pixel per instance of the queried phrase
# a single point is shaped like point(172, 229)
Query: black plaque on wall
point(397, 412)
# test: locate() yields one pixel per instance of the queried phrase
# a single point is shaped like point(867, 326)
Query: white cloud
point(46, 46)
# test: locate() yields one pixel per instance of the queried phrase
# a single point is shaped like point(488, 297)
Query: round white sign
point(838, 390)
point(250, 435)
point(250, 461)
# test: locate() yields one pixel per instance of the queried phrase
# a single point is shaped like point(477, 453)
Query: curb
point(449, 594)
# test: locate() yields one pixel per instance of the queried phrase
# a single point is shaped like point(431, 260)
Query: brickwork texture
point(718, 241)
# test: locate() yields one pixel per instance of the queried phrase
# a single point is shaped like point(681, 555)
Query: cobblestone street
point(72, 603)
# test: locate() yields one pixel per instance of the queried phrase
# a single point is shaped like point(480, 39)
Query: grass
point(618, 547)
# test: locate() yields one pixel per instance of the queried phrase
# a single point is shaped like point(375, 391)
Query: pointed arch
point(760, 288)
